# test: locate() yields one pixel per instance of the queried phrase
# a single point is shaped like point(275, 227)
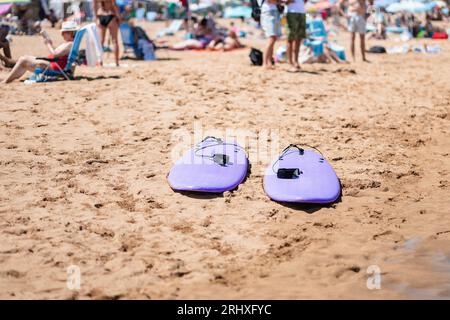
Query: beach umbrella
point(440, 3)
point(384, 3)
point(4, 8)
point(409, 6)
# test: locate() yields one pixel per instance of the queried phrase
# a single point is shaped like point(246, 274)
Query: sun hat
point(69, 26)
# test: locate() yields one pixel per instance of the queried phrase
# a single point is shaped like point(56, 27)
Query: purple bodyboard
point(317, 182)
point(197, 171)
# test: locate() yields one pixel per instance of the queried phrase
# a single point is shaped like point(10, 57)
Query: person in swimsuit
point(30, 63)
point(203, 35)
point(227, 43)
point(107, 15)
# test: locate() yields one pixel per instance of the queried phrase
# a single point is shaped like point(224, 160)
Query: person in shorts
point(296, 25)
point(356, 17)
point(271, 24)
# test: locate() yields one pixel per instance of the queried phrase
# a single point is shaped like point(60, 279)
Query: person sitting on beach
point(4, 45)
point(430, 29)
point(145, 46)
point(328, 56)
point(380, 22)
point(227, 43)
point(380, 18)
point(202, 34)
point(31, 63)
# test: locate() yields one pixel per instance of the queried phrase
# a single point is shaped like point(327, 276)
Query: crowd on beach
point(201, 33)
point(204, 33)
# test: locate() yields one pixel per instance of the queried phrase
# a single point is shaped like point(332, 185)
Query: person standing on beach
point(107, 15)
point(296, 22)
point(271, 24)
point(356, 17)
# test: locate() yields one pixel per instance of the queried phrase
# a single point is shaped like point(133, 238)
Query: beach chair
point(338, 50)
point(174, 27)
point(128, 39)
point(316, 29)
point(47, 74)
point(316, 35)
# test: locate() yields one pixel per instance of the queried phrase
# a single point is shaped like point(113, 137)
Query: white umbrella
point(408, 6)
point(440, 3)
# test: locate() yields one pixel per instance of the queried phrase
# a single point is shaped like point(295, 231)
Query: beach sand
point(83, 168)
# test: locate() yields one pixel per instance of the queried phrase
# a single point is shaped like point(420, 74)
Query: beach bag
point(256, 57)
point(377, 49)
point(280, 8)
point(439, 35)
point(256, 10)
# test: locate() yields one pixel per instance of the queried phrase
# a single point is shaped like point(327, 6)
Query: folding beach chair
point(48, 74)
point(316, 28)
point(128, 39)
point(317, 36)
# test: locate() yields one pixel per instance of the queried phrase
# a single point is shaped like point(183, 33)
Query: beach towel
point(94, 50)
point(433, 49)
point(399, 49)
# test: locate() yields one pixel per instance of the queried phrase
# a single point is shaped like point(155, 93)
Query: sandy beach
point(83, 168)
